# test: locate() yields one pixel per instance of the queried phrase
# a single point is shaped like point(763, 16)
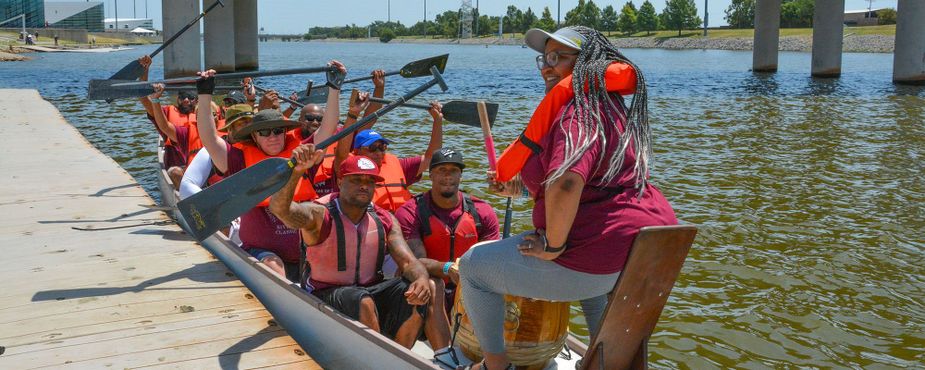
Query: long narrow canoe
point(332, 339)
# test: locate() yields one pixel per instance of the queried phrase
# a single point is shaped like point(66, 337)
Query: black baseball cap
point(236, 97)
point(445, 155)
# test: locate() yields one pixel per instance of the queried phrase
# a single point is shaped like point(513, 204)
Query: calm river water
point(808, 193)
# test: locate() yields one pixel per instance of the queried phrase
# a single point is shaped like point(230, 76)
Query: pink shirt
point(602, 246)
point(327, 222)
point(407, 217)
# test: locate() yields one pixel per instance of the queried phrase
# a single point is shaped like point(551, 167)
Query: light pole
point(116, 3)
point(477, 18)
point(706, 16)
point(559, 14)
point(390, 12)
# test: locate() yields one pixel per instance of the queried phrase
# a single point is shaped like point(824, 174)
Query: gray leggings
point(491, 270)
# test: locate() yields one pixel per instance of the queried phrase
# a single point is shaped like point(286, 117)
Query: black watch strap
point(549, 249)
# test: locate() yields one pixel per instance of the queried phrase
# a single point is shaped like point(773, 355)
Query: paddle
point(493, 161)
point(216, 206)
point(459, 111)
point(114, 89)
point(134, 70)
point(417, 68)
point(285, 99)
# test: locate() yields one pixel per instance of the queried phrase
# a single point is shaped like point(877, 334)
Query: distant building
point(127, 24)
point(80, 15)
point(33, 9)
point(862, 17)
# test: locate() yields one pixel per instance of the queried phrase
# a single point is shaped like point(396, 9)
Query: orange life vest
point(175, 117)
point(326, 169)
point(352, 254)
point(446, 243)
point(194, 142)
point(619, 77)
point(393, 192)
point(252, 154)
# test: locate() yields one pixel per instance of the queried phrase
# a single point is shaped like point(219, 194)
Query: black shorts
point(389, 295)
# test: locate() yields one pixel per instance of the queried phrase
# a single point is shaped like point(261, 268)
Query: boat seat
point(638, 298)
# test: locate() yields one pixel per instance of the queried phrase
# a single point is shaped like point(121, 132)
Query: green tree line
point(676, 15)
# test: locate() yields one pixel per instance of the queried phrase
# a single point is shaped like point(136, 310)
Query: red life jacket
point(619, 77)
point(351, 254)
point(253, 154)
point(393, 192)
point(446, 243)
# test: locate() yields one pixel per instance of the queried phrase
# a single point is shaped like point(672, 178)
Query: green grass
point(887, 30)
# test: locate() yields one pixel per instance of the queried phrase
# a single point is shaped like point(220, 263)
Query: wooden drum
point(534, 330)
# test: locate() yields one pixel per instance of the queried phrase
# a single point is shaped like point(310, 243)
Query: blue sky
point(297, 16)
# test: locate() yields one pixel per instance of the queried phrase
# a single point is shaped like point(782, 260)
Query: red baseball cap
point(360, 165)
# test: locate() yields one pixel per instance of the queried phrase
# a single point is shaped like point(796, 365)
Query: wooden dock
point(94, 277)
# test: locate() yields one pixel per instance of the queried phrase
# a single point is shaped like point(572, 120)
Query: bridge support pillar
point(909, 54)
point(181, 58)
point(828, 31)
point(767, 36)
point(245, 35)
point(218, 40)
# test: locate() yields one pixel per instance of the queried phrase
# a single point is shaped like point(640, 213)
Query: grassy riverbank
point(9, 42)
point(873, 39)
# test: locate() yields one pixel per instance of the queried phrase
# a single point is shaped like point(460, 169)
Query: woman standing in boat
point(584, 152)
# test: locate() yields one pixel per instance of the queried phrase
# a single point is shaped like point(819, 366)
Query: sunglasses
point(550, 59)
point(274, 131)
point(312, 117)
point(377, 148)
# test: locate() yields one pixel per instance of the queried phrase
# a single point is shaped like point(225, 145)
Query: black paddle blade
point(467, 112)
point(215, 207)
point(421, 68)
point(103, 90)
point(318, 96)
point(131, 71)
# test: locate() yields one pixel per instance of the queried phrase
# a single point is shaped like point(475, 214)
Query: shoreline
point(851, 43)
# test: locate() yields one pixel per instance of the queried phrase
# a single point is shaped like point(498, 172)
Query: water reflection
point(808, 192)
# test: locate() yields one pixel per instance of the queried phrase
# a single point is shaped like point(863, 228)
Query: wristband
point(446, 267)
point(351, 115)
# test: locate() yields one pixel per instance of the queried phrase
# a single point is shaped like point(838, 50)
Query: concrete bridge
point(230, 39)
point(908, 55)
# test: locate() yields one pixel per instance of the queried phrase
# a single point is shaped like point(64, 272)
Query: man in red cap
point(346, 239)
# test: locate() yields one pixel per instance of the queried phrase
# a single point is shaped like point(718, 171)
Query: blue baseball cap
point(367, 138)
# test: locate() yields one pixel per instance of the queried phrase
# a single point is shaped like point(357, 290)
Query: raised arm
point(358, 102)
point(379, 92)
point(331, 108)
point(306, 216)
point(436, 135)
point(154, 109)
point(420, 290)
point(205, 122)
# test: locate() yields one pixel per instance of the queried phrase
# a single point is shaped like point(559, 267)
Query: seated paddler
point(346, 238)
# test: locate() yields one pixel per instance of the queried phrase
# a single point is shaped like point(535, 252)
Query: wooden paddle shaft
point(486, 133)
point(283, 98)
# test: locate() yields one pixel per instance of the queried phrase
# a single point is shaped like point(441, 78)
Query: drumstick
point(493, 162)
point(486, 133)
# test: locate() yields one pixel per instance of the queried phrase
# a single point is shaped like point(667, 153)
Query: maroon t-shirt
point(260, 228)
point(407, 217)
point(174, 156)
point(602, 246)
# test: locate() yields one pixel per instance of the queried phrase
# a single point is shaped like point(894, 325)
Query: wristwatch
point(547, 248)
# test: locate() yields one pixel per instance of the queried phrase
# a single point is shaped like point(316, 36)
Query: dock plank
point(135, 292)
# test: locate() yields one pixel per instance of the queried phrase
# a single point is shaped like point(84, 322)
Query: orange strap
point(619, 77)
